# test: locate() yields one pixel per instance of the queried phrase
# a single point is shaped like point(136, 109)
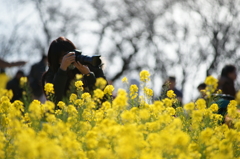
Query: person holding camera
point(64, 64)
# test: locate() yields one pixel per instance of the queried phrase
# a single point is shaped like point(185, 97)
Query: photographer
point(64, 65)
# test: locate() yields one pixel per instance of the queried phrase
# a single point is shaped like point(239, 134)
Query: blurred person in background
point(226, 85)
point(14, 85)
point(227, 79)
point(4, 64)
point(63, 68)
point(35, 77)
point(170, 84)
point(201, 87)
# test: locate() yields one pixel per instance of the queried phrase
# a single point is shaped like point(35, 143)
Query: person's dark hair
point(172, 78)
point(201, 86)
point(57, 49)
point(227, 69)
point(20, 72)
point(43, 57)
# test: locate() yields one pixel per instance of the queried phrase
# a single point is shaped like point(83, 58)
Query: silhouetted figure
point(201, 87)
point(35, 77)
point(4, 64)
point(226, 84)
point(63, 68)
point(170, 84)
point(14, 85)
point(226, 81)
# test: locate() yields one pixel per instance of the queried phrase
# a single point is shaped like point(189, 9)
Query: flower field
point(128, 126)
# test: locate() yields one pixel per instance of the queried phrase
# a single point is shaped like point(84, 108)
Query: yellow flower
point(9, 94)
point(35, 109)
point(200, 104)
point(49, 88)
point(171, 94)
point(170, 111)
point(23, 81)
point(18, 105)
point(121, 101)
point(98, 93)
point(61, 104)
point(144, 114)
point(148, 92)
point(106, 105)
point(79, 76)
point(100, 83)
point(214, 107)
point(108, 89)
point(144, 76)
point(71, 110)
point(167, 102)
point(189, 106)
point(78, 85)
point(237, 125)
point(133, 91)
point(127, 116)
point(211, 83)
point(73, 97)
point(103, 153)
point(206, 134)
point(124, 80)
point(86, 96)
point(197, 115)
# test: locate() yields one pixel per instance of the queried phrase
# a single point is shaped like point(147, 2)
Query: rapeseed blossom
point(108, 89)
point(144, 76)
point(48, 88)
point(79, 76)
point(133, 91)
point(148, 92)
point(200, 104)
point(79, 85)
point(23, 81)
point(189, 106)
point(100, 83)
point(171, 94)
point(61, 104)
point(98, 93)
point(214, 107)
point(73, 97)
point(124, 80)
point(211, 83)
point(118, 128)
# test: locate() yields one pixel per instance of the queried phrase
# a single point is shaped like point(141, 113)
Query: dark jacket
point(227, 86)
point(14, 85)
point(35, 77)
point(62, 79)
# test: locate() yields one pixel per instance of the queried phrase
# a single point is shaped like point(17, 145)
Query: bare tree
point(133, 32)
point(181, 37)
point(216, 43)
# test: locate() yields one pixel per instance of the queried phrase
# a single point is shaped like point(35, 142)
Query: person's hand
point(67, 60)
point(82, 68)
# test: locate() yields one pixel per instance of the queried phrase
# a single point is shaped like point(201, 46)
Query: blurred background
point(187, 39)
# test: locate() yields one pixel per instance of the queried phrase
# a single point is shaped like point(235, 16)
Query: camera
point(87, 60)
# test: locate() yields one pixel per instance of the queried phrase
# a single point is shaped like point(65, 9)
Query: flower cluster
point(211, 83)
point(119, 128)
point(23, 81)
point(48, 88)
point(144, 76)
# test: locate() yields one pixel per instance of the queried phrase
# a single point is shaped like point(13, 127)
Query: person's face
point(172, 84)
point(233, 75)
